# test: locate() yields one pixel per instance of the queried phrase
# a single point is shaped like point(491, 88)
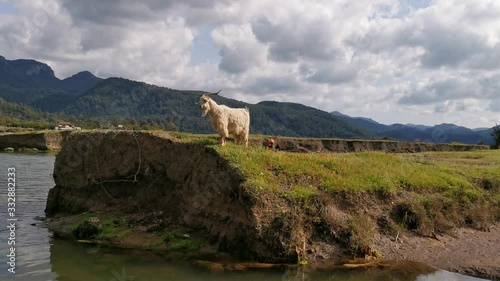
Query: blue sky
point(395, 61)
point(8, 8)
point(204, 49)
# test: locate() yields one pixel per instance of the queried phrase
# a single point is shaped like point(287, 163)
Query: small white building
point(68, 126)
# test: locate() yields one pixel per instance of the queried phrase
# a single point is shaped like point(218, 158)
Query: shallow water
point(40, 256)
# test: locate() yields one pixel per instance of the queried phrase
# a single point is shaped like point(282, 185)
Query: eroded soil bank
point(156, 192)
point(52, 141)
point(346, 145)
point(37, 140)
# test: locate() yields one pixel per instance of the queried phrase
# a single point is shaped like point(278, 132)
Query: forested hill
point(31, 95)
point(33, 83)
point(292, 119)
point(19, 115)
point(124, 101)
point(31, 74)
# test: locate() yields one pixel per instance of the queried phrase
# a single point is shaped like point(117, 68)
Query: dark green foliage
point(26, 74)
point(50, 100)
point(79, 83)
point(365, 123)
point(291, 119)
point(31, 74)
point(119, 101)
point(180, 243)
point(88, 229)
point(18, 115)
point(496, 137)
point(33, 83)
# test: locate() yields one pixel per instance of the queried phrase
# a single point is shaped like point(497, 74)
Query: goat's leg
point(237, 139)
point(223, 135)
point(223, 139)
point(244, 137)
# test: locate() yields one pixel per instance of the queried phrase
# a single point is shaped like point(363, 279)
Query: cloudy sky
point(396, 61)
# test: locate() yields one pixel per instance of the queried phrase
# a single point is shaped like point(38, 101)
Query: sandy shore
point(465, 251)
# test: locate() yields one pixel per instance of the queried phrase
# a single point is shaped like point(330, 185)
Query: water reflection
point(33, 180)
point(73, 261)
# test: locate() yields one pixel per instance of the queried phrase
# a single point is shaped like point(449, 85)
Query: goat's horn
point(214, 93)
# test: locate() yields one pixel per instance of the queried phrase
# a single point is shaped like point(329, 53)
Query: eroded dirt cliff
point(157, 183)
point(40, 140)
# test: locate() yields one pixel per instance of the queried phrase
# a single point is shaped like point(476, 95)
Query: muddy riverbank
point(32, 140)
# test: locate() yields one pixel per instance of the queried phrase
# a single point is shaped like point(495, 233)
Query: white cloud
point(239, 49)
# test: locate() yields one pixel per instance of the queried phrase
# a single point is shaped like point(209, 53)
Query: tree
point(496, 137)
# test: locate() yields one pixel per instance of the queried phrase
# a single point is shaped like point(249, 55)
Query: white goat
point(226, 120)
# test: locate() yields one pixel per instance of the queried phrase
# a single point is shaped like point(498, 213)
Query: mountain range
point(30, 92)
point(441, 133)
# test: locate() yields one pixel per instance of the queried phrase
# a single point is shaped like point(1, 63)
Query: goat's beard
point(204, 110)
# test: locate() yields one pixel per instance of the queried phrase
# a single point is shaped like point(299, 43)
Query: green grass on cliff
point(460, 175)
point(425, 193)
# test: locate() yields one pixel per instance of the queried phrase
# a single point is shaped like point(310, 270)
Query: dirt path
point(465, 251)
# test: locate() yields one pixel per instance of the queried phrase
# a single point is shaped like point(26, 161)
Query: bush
point(88, 229)
point(496, 137)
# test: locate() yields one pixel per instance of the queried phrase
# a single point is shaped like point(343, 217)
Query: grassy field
point(433, 191)
point(448, 172)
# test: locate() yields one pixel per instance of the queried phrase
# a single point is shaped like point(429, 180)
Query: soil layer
point(39, 140)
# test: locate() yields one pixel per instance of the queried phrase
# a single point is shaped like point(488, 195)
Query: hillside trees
point(496, 137)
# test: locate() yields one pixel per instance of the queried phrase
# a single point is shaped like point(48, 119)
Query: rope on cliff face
point(138, 169)
point(101, 182)
point(99, 171)
point(105, 191)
